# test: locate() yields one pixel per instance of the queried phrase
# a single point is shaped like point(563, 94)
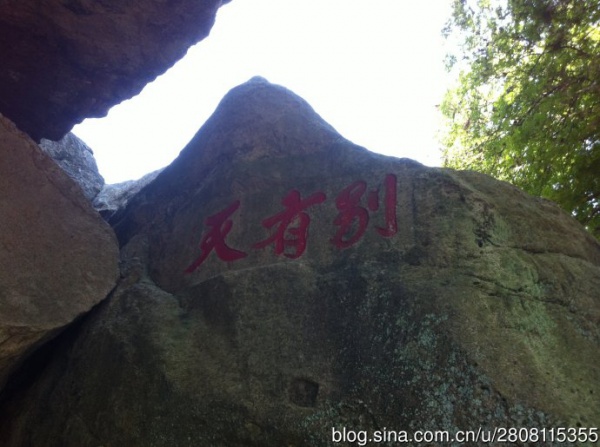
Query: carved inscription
point(289, 228)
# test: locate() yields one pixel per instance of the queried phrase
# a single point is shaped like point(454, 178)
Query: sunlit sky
point(374, 70)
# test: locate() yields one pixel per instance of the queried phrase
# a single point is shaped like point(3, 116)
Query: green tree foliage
point(526, 107)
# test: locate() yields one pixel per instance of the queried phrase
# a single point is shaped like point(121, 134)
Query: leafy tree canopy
point(526, 107)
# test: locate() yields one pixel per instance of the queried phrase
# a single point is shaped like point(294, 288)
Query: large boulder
point(66, 60)
point(282, 286)
point(58, 258)
point(77, 160)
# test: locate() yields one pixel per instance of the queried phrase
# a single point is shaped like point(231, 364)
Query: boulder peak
point(256, 122)
point(261, 119)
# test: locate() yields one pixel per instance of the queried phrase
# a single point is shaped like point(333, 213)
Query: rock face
point(77, 160)
point(66, 60)
point(115, 197)
point(280, 282)
point(57, 257)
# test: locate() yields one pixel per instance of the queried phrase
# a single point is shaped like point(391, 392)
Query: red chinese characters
point(353, 219)
point(289, 228)
point(293, 214)
point(351, 215)
point(214, 239)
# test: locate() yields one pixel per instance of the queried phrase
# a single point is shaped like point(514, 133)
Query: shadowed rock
point(66, 60)
point(279, 281)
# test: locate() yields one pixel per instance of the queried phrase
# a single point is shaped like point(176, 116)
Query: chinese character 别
point(350, 211)
point(214, 239)
point(292, 215)
point(352, 219)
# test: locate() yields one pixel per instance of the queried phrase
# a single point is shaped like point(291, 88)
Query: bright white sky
point(372, 69)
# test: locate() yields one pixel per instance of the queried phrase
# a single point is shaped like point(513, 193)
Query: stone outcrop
point(58, 258)
point(77, 160)
point(66, 60)
point(115, 197)
point(279, 281)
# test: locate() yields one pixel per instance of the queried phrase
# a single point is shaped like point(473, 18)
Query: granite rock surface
point(58, 258)
point(279, 282)
point(77, 159)
point(114, 197)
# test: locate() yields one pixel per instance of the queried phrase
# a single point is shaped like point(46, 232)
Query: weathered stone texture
point(77, 160)
point(481, 309)
point(66, 60)
point(57, 257)
point(114, 197)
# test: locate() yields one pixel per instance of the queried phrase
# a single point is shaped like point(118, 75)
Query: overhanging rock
point(66, 60)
